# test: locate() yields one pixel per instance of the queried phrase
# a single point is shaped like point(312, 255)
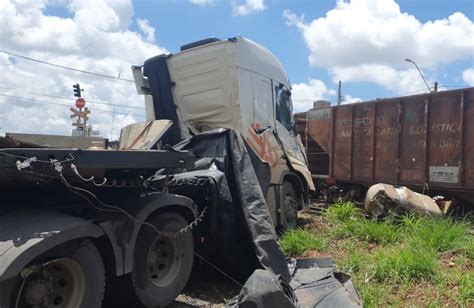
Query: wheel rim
point(163, 260)
point(56, 284)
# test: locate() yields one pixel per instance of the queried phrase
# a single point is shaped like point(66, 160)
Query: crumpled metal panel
point(384, 198)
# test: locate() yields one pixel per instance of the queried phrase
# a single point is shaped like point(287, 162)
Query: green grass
point(468, 248)
point(466, 288)
point(373, 294)
point(377, 232)
point(439, 234)
point(298, 241)
point(353, 263)
point(405, 261)
point(349, 221)
point(343, 212)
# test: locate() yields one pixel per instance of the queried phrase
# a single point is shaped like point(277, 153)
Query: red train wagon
point(421, 141)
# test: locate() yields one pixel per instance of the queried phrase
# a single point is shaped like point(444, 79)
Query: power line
point(62, 66)
point(442, 85)
point(67, 98)
point(58, 104)
point(412, 92)
point(304, 99)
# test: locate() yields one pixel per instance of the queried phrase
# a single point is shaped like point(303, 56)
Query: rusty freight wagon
point(425, 142)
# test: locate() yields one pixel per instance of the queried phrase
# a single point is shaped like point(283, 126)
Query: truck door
point(261, 127)
point(285, 125)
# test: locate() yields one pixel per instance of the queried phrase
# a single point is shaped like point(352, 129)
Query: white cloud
point(250, 6)
point(304, 94)
point(96, 38)
point(468, 76)
point(397, 81)
point(148, 30)
point(106, 15)
point(350, 100)
point(376, 34)
point(203, 3)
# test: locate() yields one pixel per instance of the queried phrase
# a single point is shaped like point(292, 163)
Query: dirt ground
point(211, 293)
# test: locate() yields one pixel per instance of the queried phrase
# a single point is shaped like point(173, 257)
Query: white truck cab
point(234, 83)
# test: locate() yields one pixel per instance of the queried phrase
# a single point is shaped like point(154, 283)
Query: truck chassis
point(58, 236)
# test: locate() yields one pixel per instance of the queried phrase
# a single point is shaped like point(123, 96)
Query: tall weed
point(405, 263)
point(439, 234)
point(342, 212)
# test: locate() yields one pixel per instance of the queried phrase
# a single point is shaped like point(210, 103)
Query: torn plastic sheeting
point(384, 198)
point(317, 284)
point(241, 192)
point(263, 289)
point(314, 283)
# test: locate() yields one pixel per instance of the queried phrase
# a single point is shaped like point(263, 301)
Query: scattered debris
point(384, 198)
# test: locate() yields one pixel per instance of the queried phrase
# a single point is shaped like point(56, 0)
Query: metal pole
point(411, 61)
point(339, 97)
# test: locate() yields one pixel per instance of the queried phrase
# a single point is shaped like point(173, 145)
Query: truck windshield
point(283, 107)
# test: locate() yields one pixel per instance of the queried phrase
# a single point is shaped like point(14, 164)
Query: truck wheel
point(162, 263)
point(69, 276)
point(289, 206)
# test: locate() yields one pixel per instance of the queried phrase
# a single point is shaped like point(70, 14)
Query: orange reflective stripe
point(261, 145)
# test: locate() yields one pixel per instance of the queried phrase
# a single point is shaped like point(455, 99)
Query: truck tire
point(289, 206)
point(162, 263)
point(71, 275)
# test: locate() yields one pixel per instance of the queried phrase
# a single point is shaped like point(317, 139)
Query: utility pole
point(339, 97)
point(436, 86)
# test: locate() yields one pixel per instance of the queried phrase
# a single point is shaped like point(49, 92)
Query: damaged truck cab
point(239, 84)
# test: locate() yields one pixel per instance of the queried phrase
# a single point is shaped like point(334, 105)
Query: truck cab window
point(283, 107)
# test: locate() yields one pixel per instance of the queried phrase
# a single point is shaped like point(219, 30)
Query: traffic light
point(77, 90)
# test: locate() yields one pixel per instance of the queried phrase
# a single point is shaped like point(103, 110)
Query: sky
point(363, 43)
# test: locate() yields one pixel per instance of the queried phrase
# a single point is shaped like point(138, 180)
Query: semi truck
point(75, 223)
point(239, 84)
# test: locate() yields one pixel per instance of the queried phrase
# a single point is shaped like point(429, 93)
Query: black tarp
point(314, 283)
point(240, 223)
point(240, 220)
